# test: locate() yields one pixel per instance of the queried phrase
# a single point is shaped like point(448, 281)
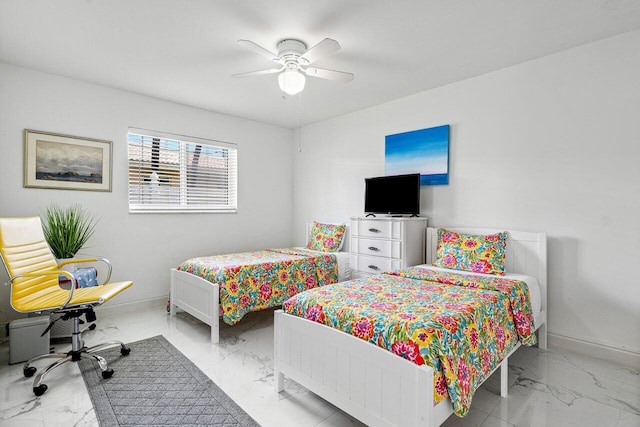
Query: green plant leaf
point(67, 229)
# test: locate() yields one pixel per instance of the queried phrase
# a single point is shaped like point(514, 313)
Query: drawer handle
point(373, 267)
point(374, 230)
point(373, 248)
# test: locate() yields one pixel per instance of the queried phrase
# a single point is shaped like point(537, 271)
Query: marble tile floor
point(547, 388)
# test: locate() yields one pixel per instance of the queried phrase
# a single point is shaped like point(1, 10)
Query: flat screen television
point(392, 195)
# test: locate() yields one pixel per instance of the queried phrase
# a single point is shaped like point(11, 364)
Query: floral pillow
point(326, 237)
point(480, 254)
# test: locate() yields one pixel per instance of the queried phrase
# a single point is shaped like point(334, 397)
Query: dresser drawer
point(377, 247)
point(373, 265)
point(381, 229)
point(385, 244)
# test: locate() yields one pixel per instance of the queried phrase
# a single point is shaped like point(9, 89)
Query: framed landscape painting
point(66, 162)
point(425, 151)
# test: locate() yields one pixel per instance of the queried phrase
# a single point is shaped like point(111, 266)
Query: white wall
point(142, 247)
point(549, 145)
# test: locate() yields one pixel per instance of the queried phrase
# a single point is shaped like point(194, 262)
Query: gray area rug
point(157, 385)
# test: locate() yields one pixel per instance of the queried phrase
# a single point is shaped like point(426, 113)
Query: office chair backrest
point(25, 250)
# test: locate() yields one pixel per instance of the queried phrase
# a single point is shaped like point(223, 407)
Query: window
point(174, 173)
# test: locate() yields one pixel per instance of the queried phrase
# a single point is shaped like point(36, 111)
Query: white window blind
point(173, 173)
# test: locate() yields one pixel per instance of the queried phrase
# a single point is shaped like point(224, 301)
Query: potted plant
point(67, 229)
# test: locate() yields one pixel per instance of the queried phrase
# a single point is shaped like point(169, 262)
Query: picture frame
point(66, 162)
point(425, 151)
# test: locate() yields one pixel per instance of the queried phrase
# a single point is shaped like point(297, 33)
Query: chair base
point(78, 352)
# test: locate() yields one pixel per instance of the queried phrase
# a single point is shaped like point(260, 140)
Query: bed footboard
point(198, 297)
point(370, 383)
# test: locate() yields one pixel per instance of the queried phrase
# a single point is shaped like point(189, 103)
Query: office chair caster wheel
point(107, 374)
point(125, 351)
point(28, 372)
point(92, 326)
point(39, 391)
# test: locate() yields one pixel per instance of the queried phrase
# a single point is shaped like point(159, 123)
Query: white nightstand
point(385, 244)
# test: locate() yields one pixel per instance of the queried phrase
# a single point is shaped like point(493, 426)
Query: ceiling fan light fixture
point(291, 81)
point(293, 59)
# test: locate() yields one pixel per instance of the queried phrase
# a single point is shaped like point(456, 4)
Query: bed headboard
point(526, 252)
point(345, 240)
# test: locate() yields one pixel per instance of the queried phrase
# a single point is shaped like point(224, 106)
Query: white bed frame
point(198, 297)
point(201, 298)
point(372, 384)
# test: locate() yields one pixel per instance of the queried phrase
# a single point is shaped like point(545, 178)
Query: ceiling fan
point(294, 59)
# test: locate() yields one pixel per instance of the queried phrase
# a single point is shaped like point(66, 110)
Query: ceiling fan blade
point(258, 73)
point(259, 50)
point(339, 76)
point(324, 48)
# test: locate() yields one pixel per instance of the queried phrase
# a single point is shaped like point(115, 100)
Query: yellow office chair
point(33, 275)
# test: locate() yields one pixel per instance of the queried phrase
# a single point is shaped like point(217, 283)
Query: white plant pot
point(69, 267)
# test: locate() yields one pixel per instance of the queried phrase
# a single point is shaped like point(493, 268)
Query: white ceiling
point(185, 50)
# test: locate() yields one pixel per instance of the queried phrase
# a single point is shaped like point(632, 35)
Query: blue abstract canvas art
point(425, 151)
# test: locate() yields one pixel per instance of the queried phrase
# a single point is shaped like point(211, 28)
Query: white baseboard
point(107, 310)
point(115, 309)
point(621, 357)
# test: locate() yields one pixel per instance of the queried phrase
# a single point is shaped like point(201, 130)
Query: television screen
point(392, 195)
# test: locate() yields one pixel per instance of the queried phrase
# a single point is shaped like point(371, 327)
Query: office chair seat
point(34, 274)
point(52, 299)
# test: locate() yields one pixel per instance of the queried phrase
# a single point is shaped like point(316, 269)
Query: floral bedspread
point(462, 326)
point(253, 281)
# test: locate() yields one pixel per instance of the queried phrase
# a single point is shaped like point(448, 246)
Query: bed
point(373, 384)
point(196, 288)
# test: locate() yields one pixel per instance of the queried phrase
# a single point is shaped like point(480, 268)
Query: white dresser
point(385, 244)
